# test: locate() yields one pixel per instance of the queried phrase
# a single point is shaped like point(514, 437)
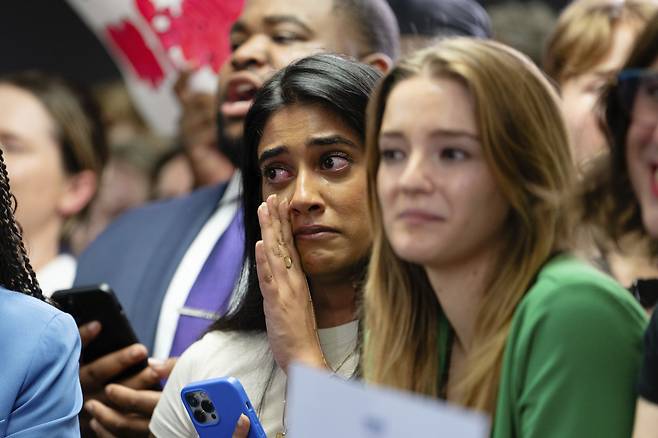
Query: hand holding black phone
point(98, 303)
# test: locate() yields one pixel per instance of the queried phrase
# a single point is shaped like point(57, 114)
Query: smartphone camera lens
point(207, 406)
point(192, 400)
point(200, 416)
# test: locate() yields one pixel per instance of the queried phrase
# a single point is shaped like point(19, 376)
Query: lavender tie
point(212, 289)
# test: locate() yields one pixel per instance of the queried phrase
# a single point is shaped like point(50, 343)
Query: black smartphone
point(98, 303)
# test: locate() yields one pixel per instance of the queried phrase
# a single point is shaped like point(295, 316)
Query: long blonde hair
point(525, 144)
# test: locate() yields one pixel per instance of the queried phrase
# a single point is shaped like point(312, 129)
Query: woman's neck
point(334, 302)
point(42, 246)
point(459, 289)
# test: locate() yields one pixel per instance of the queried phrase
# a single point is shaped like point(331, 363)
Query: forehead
point(294, 125)
point(312, 13)
point(427, 104)
point(22, 110)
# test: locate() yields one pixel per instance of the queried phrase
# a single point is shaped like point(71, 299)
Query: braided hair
point(16, 273)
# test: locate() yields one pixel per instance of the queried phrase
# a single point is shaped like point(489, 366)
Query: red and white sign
point(152, 40)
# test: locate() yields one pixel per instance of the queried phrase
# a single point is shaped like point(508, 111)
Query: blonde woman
point(470, 295)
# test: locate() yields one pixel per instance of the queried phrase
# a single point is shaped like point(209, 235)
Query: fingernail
point(156, 363)
point(109, 389)
point(242, 421)
point(89, 407)
point(137, 351)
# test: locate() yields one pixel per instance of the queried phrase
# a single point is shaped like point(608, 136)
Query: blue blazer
point(138, 254)
point(40, 392)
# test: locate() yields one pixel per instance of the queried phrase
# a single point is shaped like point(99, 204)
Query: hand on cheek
point(289, 316)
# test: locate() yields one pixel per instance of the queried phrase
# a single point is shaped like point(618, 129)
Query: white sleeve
point(170, 418)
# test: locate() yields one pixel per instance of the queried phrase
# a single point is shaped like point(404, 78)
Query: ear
point(79, 191)
point(378, 60)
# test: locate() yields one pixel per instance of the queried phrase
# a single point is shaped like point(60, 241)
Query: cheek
point(634, 141)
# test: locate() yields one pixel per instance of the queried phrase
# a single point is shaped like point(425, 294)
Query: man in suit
point(174, 264)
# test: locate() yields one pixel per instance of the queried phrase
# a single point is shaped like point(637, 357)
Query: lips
point(239, 95)
point(419, 216)
point(313, 232)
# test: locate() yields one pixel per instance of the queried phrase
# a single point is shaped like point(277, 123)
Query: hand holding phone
point(215, 405)
point(98, 303)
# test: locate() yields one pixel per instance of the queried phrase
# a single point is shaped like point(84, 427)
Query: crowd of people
point(411, 203)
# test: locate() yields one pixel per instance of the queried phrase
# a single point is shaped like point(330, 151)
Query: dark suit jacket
point(138, 254)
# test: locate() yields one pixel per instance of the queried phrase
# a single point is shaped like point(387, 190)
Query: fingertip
point(243, 423)
point(138, 351)
point(263, 211)
point(92, 327)
point(89, 406)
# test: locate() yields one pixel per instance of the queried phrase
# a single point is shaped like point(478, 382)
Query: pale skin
point(581, 93)
point(433, 182)
point(46, 193)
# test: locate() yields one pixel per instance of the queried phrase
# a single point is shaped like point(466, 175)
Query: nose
point(416, 176)
point(251, 53)
point(306, 198)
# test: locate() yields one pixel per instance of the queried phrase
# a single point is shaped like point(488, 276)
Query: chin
point(412, 253)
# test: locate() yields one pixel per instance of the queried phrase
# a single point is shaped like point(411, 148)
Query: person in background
point(523, 24)
point(174, 264)
point(133, 152)
point(39, 346)
point(303, 142)
point(423, 22)
point(197, 128)
point(619, 191)
point(588, 45)
point(586, 49)
point(472, 295)
point(55, 150)
point(172, 175)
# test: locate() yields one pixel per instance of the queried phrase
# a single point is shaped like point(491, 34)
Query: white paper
point(323, 406)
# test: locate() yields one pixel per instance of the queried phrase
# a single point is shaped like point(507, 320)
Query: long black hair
point(341, 86)
point(16, 273)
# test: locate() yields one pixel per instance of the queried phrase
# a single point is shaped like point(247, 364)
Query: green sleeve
point(571, 362)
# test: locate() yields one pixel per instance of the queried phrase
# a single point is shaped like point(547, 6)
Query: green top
point(572, 357)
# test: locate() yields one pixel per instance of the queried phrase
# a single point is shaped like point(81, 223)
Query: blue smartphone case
point(215, 405)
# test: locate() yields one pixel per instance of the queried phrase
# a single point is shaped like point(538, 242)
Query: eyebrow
point(328, 140)
point(273, 20)
point(325, 140)
point(451, 133)
point(271, 153)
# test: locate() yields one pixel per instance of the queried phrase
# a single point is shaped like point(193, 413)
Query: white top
point(58, 274)
point(247, 357)
point(190, 267)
